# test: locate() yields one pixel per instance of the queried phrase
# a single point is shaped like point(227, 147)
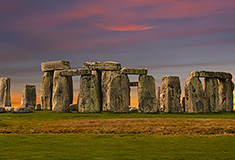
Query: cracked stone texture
point(170, 94)
point(89, 100)
point(147, 94)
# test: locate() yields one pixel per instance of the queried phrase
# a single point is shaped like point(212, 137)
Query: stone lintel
point(75, 72)
point(55, 65)
point(134, 84)
point(106, 66)
point(136, 71)
point(211, 74)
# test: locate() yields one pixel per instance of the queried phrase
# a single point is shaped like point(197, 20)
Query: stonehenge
point(216, 96)
point(106, 87)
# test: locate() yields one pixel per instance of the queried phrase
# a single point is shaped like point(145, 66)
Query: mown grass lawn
point(47, 135)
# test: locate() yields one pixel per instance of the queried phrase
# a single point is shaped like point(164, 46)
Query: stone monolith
point(147, 94)
point(194, 96)
point(212, 95)
point(5, 98)
point(46, 91)
point(226, 88)
point(62, 92)
point(119, 94)
point(29, 96)
point(170, 93)
point(89, 100)
point(106, 79)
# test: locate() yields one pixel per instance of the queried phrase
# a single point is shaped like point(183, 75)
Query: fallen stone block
point(29, 96)
point(9, 109)
point(38, 107)
point(135, 71)
point(46, 91)
point(147, 94)
point(55, 65)
point(22, 110)
point(75, 72)
point(133, 109)
point(73, 107)
point(170, 94)
point(133, 84)
point(2, 109)
point(106, 66)
point(5, 98)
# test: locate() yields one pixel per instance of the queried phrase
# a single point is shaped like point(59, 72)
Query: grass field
point(47, 135)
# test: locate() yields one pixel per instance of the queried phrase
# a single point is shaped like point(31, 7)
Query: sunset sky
point(169, 37)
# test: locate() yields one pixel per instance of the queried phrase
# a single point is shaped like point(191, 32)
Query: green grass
point(50, 116)
point(40, 145)
point(116, 147)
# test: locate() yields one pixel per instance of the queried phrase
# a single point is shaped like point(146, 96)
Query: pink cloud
point(128, 27)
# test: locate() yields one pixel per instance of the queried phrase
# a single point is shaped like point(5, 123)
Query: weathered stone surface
point(75, 72)
point(46, 90)
point(5, 98)
point(170, 94)
point(106, 79)
point(212, 95)
point(38, 107)
point(62, 92)
point(134, 84)
point(210, 74)
point(73, 107)
point(106, 66)
point(9, 109)
point(119, 94)
point(133, 109)
point(22, 110)
point(88, 96)
point(136, 71)
point(55, 65)
point(226, 88)
point(29, 96)
point(2, 109)
point(147, 94)
point(194, 96)
point(98, 75)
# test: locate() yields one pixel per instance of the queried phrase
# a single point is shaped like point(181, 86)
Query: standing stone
point(29, 96)
point(170, 94)
point(226, 88)
point(194, 95)
point(46, 91)
point(98, 75)
point(106, 79)
point(119, 94)
point(212, 95)
point(5, 98)
point(147, 94)
point(89, 100)
point(62, 95)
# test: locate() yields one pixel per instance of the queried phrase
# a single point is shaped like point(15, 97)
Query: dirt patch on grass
point(160, 126)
